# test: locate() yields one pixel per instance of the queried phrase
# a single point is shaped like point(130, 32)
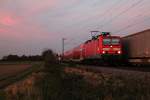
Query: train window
point(115, 41)
point(106, 41)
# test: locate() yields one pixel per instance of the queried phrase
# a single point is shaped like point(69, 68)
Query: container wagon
point(136, 47)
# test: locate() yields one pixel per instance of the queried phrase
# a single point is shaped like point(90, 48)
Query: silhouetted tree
point(12, 58)
point(23, 58)
point(49, 57)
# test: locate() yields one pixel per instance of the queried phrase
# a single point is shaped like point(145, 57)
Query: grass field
point(12, 72)
point(9, 70)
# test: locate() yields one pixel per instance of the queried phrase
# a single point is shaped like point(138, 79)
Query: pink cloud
point(7, 20)
point(3, 30)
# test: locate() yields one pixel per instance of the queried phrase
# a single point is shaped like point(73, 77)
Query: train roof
point(100, 35)
point(136, 33)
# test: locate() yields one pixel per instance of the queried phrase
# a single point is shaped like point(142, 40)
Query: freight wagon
point(99, 48)
point(136, 48)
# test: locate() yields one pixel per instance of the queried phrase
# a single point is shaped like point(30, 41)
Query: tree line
point(46, 54)
point(22, 58)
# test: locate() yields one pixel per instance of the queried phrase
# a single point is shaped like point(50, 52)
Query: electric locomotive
point(102, 47)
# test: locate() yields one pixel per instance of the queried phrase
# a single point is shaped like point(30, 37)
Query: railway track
point(124, 71)
point(119, 67)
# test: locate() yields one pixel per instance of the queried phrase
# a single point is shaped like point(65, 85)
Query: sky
point(31, 26)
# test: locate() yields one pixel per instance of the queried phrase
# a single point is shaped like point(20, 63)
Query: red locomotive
point(101, 48)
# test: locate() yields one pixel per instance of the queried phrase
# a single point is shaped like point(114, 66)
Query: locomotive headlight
point(103, 52)
point(119, 52)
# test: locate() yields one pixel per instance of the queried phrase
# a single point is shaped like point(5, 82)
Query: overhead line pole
point(63, 44)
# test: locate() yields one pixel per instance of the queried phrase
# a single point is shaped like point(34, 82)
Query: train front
point(111, 48)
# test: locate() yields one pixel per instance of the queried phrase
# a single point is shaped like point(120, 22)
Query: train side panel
point(90, 49)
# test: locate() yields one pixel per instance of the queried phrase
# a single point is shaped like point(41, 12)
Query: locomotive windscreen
point(111, 41)
point(107, 41)
point(115, 41)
